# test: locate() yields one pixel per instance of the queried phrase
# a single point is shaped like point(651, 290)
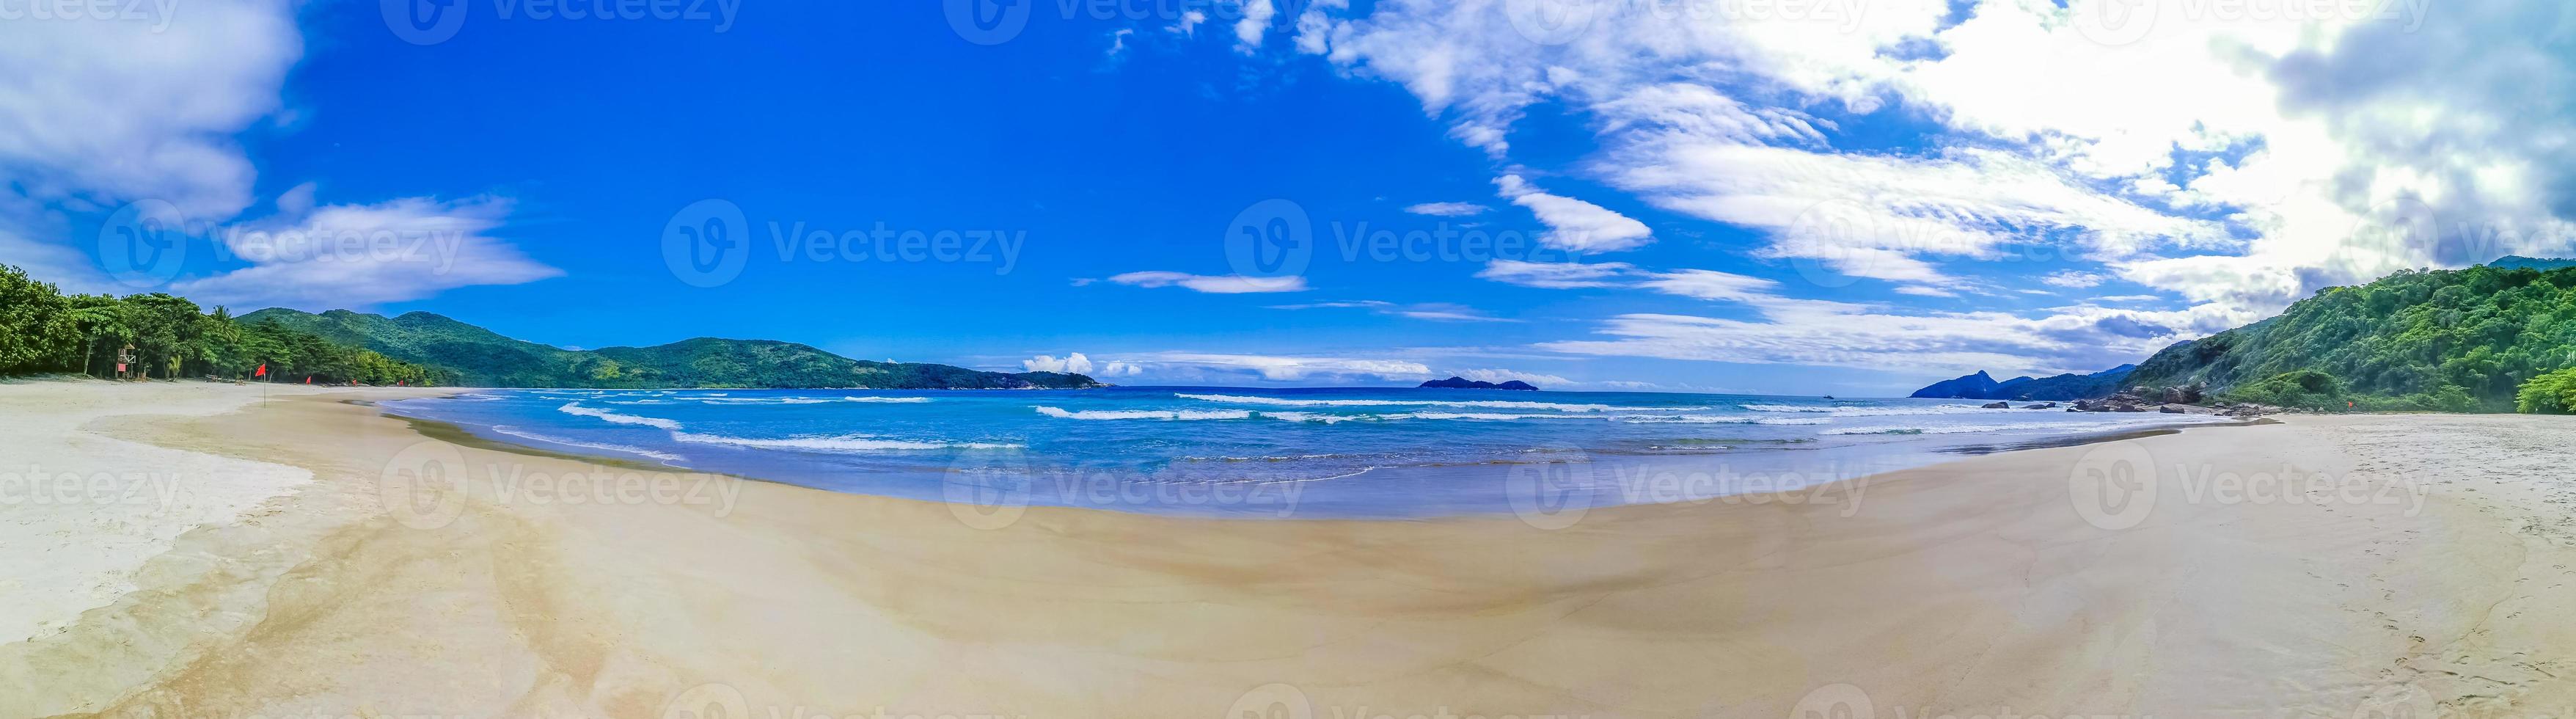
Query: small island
point(1464, 383)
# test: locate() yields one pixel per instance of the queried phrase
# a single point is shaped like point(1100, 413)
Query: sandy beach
point(306, 556)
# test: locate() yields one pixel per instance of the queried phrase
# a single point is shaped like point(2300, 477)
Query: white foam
point(842, 443)
point(1485, 404)
point(1867, 411)
point(2058, 426)
point(514, 432)
point(575, 408)
point(1161, 414)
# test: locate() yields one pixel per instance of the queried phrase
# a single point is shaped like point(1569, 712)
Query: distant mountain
point(1464, 383)
point(2518, 262)
point(1973, 386)
point(2061, 387)
point(484, 358)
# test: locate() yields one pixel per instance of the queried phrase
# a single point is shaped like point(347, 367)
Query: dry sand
point(2411, 566)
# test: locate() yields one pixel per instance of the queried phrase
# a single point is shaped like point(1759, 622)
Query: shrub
point(2552, 393)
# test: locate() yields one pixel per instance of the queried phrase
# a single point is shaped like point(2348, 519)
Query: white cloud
point(2236, 160)
point(108, 111)
point(1188, 24)
point(1435, 311)
point(1574, 225)
point(1543, 381)
point(1076, 363)
point(1711, 285)
point(1556, 275)
point(2074, 280)
point(1213, 284)
point(1285, 369)
point(1256, 21)
point(1447, 209)
point(361, 256)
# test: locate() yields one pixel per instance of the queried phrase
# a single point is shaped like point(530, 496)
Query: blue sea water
point(1297, 453)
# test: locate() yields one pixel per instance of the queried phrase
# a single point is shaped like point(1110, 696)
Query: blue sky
point(1742, 197)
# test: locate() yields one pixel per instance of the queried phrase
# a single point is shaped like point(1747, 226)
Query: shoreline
point(1970, 587)
point(1659, 466)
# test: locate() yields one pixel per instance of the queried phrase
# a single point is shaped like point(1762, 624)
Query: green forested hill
point(160, 336)
point(2438, 339)
point(482, 357)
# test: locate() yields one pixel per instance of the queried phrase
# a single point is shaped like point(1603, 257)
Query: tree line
point(165, 336)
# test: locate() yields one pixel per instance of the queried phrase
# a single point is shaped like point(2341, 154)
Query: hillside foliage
point(481, 357)
point(2445, 340)
point(43, 330)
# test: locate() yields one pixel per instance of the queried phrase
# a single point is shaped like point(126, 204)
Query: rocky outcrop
point(1999, 405)
point(2184, 399)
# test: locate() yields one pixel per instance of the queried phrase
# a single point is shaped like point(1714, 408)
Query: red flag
point(308, 379)
point(263, 371)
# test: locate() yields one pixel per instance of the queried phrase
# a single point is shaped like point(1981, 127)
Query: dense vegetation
point(481, 357)
point(2446, 340)
point(44, 330)
point(2553, 393)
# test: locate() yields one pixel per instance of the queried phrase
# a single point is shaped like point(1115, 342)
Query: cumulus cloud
point(366, 255)
point(143, 108)
point(108, 111)
point(1283, 368)
point(2235, 159)
point(1076, 363)
point(1212, 284)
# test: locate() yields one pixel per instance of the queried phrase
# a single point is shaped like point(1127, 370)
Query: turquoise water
point(1300, 453)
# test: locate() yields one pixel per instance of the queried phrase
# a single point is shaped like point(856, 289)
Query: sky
point(1852, 197)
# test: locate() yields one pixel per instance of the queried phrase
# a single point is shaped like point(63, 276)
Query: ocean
point(1270, 452)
